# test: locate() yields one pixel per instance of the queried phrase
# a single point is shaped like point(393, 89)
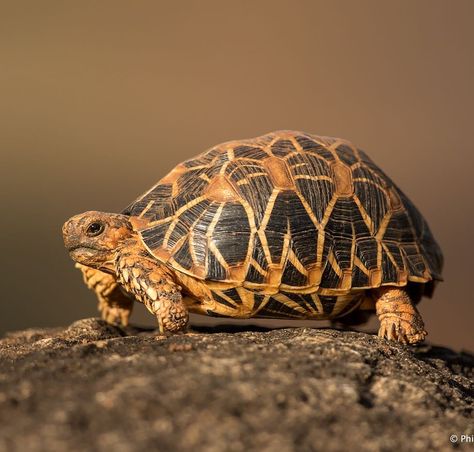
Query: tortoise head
point(93, 238)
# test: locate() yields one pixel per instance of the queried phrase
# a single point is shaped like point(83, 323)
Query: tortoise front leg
point(115, 306)
point(152, 284)
point(399, 319)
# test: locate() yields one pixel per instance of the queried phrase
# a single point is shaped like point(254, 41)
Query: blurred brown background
point(98, 100)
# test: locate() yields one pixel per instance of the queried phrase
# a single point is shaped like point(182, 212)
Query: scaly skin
point(399, 319)
point(152, 284)
point(115, 306)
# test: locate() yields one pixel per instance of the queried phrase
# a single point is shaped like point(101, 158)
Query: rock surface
point(97, 387)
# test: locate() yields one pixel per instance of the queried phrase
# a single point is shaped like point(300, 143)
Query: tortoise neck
point(131, 246)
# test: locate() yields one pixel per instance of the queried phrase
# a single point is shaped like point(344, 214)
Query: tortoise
point(285, 225)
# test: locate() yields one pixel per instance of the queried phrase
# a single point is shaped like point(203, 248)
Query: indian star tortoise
point(288, 225)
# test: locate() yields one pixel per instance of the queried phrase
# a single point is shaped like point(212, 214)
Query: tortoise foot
point(396, 329)
point(399, 319)
point(114, 314)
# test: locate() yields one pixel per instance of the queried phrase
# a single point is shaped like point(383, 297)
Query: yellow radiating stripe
point(289, 302)
point(358, 263)
point(247, 298)
point(266, 249)
point(368, 181)
point(356, 165)
point(148, 191)
point(353, 148)
point(192, 250)
point(334, 264)
point(191, 239)
point(245, 165)
point(266, 218)
point(383, 225)
point(404, 259)
point(225, 297)
point(378, 237)
point(293, 258)
point(315, 178)
point(250, 215)
point(223, 168)
point(158, 222)
point(176, 218)
point(320, 249)
point(318, 303)
point(390, 256)
point(353, 246)
point(370, 170)
point(310, 308)
point(147, 208)
point(214, 221)
point(268, 210)
point(356, 151)
point(264, 302)
point(250, 176)
point(253, 228)
point(297, 165)
point(258, 267)
point(308, 209)
point(365, 215)
point(332, 148)
point(427, 268)
point(267, 147)
point(379, 255)
point(295, 143)
point(328, 211)
point(312, 154)
point(180, 211)
point(285, 249)
point(291, 154)
point(212, 246)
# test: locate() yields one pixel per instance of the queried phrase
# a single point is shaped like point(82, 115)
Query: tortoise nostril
point(68, 233)
point(65, 228)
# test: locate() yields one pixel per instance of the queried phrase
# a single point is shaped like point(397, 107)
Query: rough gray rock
point(97, 387)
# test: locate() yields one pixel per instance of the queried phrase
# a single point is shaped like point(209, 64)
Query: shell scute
point(347, 155)
point(282, 147)
point(304, 246)
point(317, 194)
point(249, 152)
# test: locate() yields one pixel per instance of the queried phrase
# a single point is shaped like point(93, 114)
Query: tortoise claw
point(395, 329)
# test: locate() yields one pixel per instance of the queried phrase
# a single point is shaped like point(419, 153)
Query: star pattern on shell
point(286, 211)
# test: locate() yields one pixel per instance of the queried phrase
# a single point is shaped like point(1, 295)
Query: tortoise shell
point(290, 211)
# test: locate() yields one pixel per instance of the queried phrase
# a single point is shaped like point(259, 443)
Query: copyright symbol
point(453, 438)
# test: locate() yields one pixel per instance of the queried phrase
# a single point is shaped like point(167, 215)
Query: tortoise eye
point(94, 229)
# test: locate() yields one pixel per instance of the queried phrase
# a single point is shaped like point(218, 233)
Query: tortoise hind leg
point(399, 319)
point(115, 306)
